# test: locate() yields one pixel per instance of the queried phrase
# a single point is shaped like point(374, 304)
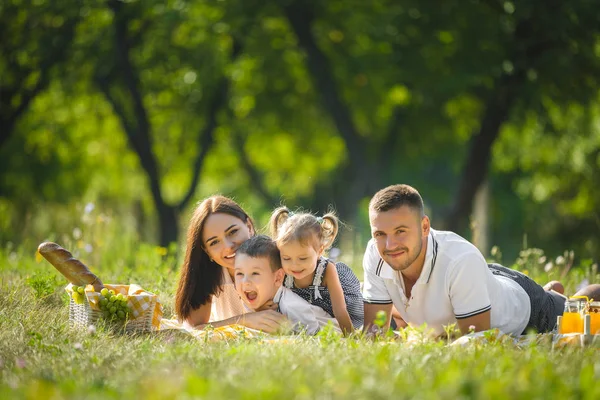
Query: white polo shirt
point(455, 283)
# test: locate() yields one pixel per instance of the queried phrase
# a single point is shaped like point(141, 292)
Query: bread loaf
point(74, 270)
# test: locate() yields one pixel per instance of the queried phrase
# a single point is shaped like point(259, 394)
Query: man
point(438, 278)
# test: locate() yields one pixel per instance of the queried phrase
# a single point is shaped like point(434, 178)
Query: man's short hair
point(396, 196)
point(261, 246)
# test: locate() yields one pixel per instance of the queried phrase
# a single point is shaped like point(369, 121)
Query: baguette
point(74, 270)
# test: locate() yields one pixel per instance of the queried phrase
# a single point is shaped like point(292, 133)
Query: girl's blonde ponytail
point(278, 218)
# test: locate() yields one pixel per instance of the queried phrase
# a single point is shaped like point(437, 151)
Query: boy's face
point(255, 282)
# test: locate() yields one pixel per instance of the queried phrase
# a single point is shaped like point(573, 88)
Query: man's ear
point(425, 225)
point(279, 275)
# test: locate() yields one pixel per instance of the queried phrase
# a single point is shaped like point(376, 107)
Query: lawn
point(42, 357)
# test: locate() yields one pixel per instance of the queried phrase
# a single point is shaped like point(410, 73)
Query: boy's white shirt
point(301, 313)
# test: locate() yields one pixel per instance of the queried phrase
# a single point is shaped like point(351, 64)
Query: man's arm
point(375, 295)
point(371, 311)
point(476, 323)
point(469, 293)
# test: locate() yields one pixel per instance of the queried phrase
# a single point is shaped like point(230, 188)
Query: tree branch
point(139, 138)
point(478, 159)
point(301, 19)
point(8, 115)
point(206, 137)
point(390, 143)
point(256, 177)
point(117, 108)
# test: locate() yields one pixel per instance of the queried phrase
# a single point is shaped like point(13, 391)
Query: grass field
point(41, 357)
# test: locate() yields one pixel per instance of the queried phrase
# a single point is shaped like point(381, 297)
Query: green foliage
point(416, 81)
point(42, 285)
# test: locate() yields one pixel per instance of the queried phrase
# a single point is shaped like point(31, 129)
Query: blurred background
point(117, 117)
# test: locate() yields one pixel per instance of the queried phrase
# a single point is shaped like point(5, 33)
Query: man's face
point(399, 234)
point(255, 282)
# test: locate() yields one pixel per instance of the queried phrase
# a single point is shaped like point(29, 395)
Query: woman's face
point(222, 235)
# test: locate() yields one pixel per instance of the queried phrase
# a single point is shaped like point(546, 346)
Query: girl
point(302, 238)
point(206, 291)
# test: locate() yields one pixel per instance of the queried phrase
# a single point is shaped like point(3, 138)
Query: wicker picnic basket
point(146, 310)
point(143, 311)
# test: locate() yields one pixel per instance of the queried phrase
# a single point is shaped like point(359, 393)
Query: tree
point(35, 41)
point(118, 77)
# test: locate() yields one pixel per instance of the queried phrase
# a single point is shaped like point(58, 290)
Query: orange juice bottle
point(572, 320)
point(594, 311)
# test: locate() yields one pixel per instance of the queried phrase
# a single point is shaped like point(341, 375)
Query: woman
point(206, 291)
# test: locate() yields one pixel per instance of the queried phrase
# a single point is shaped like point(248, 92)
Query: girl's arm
point(268, 321)
point(338, 302)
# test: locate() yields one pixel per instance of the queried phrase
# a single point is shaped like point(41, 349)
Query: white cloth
point(301, 313)
point(228, 303)
point(455, 283)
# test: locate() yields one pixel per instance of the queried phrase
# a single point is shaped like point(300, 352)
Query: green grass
point(41, 357)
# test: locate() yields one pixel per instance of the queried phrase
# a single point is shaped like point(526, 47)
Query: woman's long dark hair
point(200, 277)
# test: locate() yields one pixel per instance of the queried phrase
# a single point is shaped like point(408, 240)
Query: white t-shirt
point(455, 283)
point(228, 303)
point(301, 313)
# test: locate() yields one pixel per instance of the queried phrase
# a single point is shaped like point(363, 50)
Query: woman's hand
point(267, 321)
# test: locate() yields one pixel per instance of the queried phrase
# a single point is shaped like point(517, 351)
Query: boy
point(259, 278)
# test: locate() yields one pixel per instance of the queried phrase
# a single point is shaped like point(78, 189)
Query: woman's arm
point(199, 317)
point(338, 302)
point(268, 321)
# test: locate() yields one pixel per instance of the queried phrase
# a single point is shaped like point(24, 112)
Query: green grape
point(103, 301)
point(113, 299)
point(112, 292)
point(81, 289)
point(119, 297)
point(113, 309)
point(106, 313)
point(78, 298)
point(124, 303)
point(120, 314)
point(104, 292)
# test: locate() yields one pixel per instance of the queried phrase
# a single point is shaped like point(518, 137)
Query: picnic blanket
point(237, 332)
point(211, 334)
point(557, 340)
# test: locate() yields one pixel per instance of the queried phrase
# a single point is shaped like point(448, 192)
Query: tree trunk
point(350, 184)
point(168, 224)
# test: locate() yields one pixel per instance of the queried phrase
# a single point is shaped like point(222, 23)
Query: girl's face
point(222, 235)
point(298, 260)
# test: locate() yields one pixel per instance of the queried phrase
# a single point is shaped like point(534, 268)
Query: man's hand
point(371, 311)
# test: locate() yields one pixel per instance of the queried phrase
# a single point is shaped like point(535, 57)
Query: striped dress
point(319, 295)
